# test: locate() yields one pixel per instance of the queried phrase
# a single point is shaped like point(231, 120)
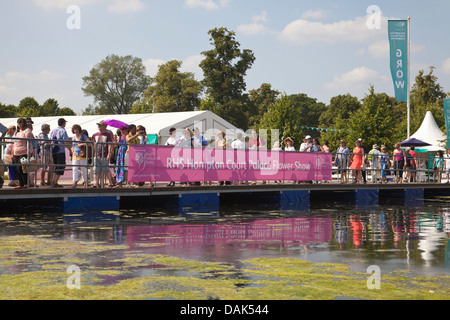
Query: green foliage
point(65, 112)
point(8, 111)
point(374, 122)
point(341, 107)
point(170, 91)
point(50, 107)
point(116, 83)
point(427, 95)
point(289, 113)
point(28, 107)
point(224, 68)
point(260, 101)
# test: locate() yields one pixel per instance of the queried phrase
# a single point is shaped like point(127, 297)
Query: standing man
point(60, 137)
point(103, 154)
point(374, 158)
point(307, 145)
point(44, 153)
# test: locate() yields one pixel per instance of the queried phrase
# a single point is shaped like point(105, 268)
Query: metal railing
point(95, 150)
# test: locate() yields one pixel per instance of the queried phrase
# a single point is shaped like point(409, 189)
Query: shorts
point(59, 161)
point(101, 165)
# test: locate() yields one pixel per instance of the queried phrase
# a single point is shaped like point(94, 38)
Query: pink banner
point(149, 163)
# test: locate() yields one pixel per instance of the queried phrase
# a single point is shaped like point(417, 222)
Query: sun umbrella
point(414, 142)
point(116, 123)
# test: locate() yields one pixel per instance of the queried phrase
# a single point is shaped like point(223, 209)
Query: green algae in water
point(45, 276)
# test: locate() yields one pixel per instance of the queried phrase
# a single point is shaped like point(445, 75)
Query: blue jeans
point(383, 166)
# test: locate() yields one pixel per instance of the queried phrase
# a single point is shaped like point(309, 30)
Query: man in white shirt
point(238, 143)
point(307, 145)
point(173, 139)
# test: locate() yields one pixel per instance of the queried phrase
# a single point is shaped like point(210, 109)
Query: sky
point(320, 48)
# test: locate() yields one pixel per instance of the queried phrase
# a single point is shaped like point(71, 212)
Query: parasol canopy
point(116, 123)
point(414, 142)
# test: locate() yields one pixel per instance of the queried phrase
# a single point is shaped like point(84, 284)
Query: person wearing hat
point(104, 151)
point(60, 143)
point(307, 145)
point(289, 144)
point(374, 158)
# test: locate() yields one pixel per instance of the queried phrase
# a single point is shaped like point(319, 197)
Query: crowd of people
point(90, 155)
point(104, 155)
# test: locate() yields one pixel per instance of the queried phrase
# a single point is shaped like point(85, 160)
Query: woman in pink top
point(21, 149)
point(399, 162)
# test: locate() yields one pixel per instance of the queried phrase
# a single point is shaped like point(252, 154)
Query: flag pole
point(408, 103)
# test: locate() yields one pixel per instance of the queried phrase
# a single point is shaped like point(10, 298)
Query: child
point(383, 164)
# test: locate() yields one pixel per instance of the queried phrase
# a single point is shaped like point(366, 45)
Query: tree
point(170, 91)
point(374, 122)
point(50, 108)
point(290, 115)
point(427, 95)
point(224, 68)
point(341, 106)
point(65, 112)
point(8, 111)
point(28, 107)
point(116, 83)
point(261, 99)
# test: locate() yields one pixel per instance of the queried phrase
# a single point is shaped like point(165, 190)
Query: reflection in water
point(393, 238)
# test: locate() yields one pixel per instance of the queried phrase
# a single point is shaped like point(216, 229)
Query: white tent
point(154, 123)
point(429, 132)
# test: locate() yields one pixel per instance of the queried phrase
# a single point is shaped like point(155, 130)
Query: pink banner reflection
point(287, 231)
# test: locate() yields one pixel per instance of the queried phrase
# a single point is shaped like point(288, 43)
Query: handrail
point(99, 147)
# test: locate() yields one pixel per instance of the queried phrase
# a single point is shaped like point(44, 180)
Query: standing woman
point(79, 154)
point(341, 160)
point(12, 170)
point(399, 162)
point(21, 149)
point(316, 146)
point(357, 161)
point(439, 164)
point(121, 153)
point(383, 164)
point(447, 164)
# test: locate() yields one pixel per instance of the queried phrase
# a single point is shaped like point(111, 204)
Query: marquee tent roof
point(155, 123)
point(430, 132)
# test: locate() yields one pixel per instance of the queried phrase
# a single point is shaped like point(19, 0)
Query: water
point(395, 238)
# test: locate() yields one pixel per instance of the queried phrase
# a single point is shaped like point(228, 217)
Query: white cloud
point(207, 4)
point(257, 27)
point(152, 66)
point(260, 18)
point(126, 6)
point(303, 32)
point(253, 29)
point(14, 86)
point(446, 66)
point(314, 14)
point(379, 49)
point(356, 79)
point(190, 64)
point(117, 6)
point(43, 76)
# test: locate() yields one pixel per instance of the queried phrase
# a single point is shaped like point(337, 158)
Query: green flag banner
point(447, 119)
point(398, 41)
